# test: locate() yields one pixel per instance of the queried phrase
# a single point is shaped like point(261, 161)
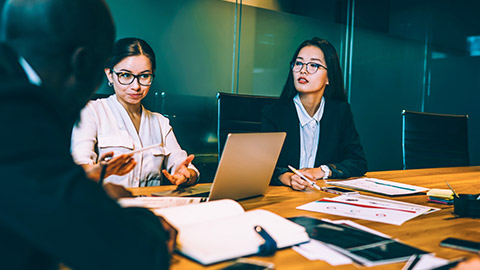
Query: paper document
point(158, 202)
point(379, 186)
point(368, 208)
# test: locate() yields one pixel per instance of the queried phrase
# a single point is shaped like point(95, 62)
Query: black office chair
point(239, 114)
point(434, 140)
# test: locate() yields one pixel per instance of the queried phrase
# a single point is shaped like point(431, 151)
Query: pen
point(390, 185)
point(450, 187)
point(412, 261)
point(144, 149)
point(270, 246)
point(303, 177)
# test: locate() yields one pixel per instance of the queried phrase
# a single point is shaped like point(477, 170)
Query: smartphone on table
point(461, 244)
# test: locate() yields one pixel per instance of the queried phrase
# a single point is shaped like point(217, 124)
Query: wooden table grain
point(424, 232)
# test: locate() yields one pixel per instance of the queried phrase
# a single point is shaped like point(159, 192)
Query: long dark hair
point(126, 47)
point(335, 88)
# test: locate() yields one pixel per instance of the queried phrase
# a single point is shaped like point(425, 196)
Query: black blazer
point(339, 144)
point(50, 212)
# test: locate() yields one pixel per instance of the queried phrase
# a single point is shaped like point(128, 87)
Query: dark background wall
point(405, 54)
point(421, 55)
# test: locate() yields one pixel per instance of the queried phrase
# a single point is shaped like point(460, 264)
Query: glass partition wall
point(413, 55)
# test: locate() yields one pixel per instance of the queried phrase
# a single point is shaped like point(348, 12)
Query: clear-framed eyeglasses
point(126, 78)
point(312, 67)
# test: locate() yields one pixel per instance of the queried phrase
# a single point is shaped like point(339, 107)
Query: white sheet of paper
point(379, 186)
point(368, 208)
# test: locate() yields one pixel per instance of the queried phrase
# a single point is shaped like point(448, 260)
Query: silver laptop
point(244, 170)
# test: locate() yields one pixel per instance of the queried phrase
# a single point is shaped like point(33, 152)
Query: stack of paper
point(443, 196)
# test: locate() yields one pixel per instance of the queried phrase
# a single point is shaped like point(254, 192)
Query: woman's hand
point(119, 165)
point(294, 181)
point(182, 175)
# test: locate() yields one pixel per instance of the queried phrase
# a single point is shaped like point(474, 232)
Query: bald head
point(65, 41)
point(56, 26)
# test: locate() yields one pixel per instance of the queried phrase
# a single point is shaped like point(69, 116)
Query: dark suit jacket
point(49, 211)
point(339, 145)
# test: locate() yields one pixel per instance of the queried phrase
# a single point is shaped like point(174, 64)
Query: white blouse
point(309, 132)
point(106, 126)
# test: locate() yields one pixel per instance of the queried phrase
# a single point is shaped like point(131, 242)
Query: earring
point(110, 84)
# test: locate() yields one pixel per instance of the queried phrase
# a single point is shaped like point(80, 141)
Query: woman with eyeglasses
point(313, 110)
point(110, 128)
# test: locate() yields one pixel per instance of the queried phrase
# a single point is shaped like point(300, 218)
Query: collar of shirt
point(30, 72)
point(303, 116)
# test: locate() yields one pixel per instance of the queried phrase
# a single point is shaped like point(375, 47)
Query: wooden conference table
point(424, 232)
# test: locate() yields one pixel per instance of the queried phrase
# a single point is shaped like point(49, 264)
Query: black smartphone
point(461, 244)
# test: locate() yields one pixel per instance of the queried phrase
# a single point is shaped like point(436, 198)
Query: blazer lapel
point(326, 141)
point(292, 127)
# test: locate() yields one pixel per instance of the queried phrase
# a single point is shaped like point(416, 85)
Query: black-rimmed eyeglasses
point(312, 67)
point(126, 78)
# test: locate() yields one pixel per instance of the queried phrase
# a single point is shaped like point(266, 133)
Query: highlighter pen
point(303, 177)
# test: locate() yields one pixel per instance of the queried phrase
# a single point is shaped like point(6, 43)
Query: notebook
point(245, 168)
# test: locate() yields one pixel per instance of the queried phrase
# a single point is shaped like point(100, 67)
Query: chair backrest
point(239, 114)
point(434, 140)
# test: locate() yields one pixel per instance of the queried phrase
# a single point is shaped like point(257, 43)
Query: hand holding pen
point(119, 165)
point(303, 177)
point(109, 165)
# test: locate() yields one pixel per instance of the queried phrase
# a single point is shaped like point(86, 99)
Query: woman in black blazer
point(313, 110)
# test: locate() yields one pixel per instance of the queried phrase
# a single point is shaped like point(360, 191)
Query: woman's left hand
point(182, 174)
